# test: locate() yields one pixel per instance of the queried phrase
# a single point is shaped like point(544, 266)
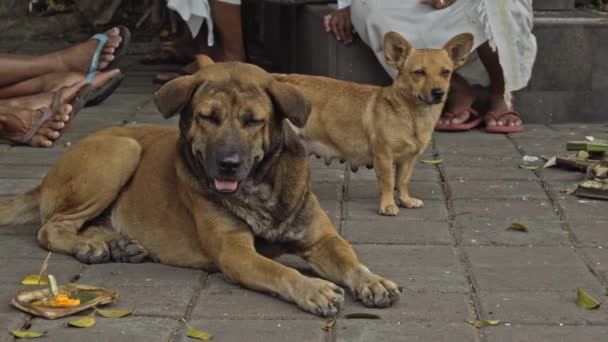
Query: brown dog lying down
point(380, 127)
point(229, 190)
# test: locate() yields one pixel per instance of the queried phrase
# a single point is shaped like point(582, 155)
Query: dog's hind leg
point(84, 183)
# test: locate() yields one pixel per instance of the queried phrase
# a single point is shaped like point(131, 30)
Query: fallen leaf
point(584, 300)
point(113, 313)
point(34, 279)
point(329, 324)
point(361, 315)
point(83, 286)
point(432, 161)
point(517, 226)
point(27, 334)
point(529, 167)
point(198, 334)
point(54, 287)
point(484, 323)
point(83, 322)
point(570, 188)
point(550, 162)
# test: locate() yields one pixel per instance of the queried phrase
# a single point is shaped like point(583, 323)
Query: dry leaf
point(27, 334)
point(432, 161)
point(484, 323)
point(584, 300)
point(198, 334)
point(570, 188)
point(361, 315)
point(84, 322)
point(329, 324)
point(34, 279)
point(517, 226)
point(113, 313)
point(550, 162)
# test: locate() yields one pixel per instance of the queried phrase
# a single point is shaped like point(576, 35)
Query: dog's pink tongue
point(225, 185)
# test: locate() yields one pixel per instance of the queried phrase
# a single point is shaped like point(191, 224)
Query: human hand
point(438, 4)
point(338, 22)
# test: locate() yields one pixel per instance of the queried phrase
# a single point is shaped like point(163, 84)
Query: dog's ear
point(459, 48)
point(171, 98)
point(396, 49)
point(203, 60)
point(289, 102)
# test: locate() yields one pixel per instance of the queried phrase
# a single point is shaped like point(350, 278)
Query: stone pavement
point(453, 257)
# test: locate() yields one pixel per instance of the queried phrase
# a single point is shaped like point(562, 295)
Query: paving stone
point(375, 330)
point(539, 308)
point(505, 210)
point(27, 229)
point(454, 173)
point(535, 131)
point(578, 208)
point(319, 163)
point(504, 149)
point(496, 189)
point(17, 186)
point(327, 175)
point(332, 208)
point(23, 172)
point(396, 232)
point(259, 330)
point(590, 233)
point(473, 137)
point(599, 260)
point(117, 275)
point(26, 247)
point(529, 269)
point(8, 322)
point(368, 209)
point(29, 156)
point(327, 191)
point(133, 329)
point(524, 333)
point(560, 174)
point(538, 147)
point(422, 172)
point(486, 160)
point(431, 268)
point(421, 190)
point(482, 232)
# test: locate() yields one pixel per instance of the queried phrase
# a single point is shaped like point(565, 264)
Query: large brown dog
point(370, 125)
point(228, 190)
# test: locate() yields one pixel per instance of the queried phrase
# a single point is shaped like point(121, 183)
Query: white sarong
point(505, 24)
point(195, 13)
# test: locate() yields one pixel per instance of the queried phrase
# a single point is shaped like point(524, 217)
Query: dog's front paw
point(92, 252)
point(410, 202)
point(375, 291)
point(388, 210)
point(320, 297)
point(128, 250)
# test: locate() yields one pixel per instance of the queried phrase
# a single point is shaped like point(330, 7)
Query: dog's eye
point(251, 122)
point(213, 118)
point(445, 72)
point(419, 72)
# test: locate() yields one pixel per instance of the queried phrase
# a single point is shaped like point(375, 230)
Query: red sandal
point(503, 129)
point(473, 121)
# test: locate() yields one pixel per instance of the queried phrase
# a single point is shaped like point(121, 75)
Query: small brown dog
point(370, 125)
point(229, 190)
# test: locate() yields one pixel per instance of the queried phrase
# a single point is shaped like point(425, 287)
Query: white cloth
point(506, 24)
point(195, 13)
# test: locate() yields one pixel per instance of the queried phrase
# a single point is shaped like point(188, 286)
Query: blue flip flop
point(120, 51)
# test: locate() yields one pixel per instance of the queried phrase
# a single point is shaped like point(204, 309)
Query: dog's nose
point(230, 163)
point(437, 93)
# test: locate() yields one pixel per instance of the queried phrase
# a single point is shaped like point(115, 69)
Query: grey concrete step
point(569, 82)
point(553, 4)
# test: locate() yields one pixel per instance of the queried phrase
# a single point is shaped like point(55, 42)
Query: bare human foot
point(78, 57)
point(498, 107)
point(16, 123)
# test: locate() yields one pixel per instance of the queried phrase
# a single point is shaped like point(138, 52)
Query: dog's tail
point(21, 209)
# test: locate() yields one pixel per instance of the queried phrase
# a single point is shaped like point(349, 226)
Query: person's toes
point(40, 141)
point(48, 133)
point(460, 117)
point(103, 77)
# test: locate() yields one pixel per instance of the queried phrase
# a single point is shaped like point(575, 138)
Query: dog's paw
point(410, 202)
point(93, 252)
point(388, 210)
point(375, 291)
point(320, 297)
point(129, 250)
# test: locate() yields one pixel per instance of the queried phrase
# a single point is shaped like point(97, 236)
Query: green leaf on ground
point(198, 334)
point(329, 324)
point(83, 322)
point(361, 315)
point(517, 226)
point(34, 279)
point(432, 161)
point(484, 323)
point(584, 300)
point(113, 313)
point(27, 334)
point(529, 167)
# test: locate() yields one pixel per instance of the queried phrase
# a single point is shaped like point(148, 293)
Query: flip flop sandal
point(180, 72)
point(77, 103)
point(473, 121)
point(98, 95)
point(47, 113)
point(503, 129)
point(119, 53)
